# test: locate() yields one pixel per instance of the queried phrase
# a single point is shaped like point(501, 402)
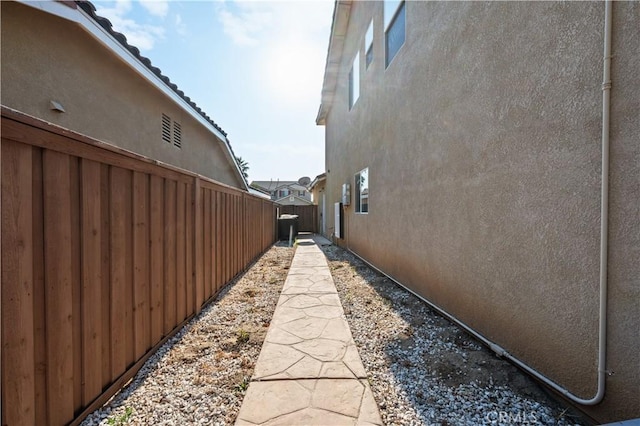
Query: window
point(168, 136)
point(394, 28)
point(362, 191)
point(354, 81)
point(301, 193)
point(368, 45)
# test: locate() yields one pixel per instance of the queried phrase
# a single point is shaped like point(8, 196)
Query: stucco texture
point(483, 142)
point(47, 58)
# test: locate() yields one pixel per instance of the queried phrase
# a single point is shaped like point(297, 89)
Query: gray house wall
point(45, 58)
point(483, 143)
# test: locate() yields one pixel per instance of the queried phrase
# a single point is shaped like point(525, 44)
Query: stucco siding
point(47, 58)
point(482, 140)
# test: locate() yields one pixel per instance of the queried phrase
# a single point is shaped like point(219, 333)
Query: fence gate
point(307, 216)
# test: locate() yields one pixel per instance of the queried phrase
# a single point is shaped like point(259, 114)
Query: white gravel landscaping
point(423, 370)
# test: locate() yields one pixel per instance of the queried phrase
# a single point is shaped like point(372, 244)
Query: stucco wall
point(318, 192)
point(482, 140)
point(47, 58)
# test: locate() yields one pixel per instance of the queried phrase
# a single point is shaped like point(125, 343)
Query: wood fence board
point(117, 224)
point(76, 280)
point(169, 256)
point(18, 375)
point(225, 238)
point(128, 269)
point(198, 242)
point(208, 278)
point(141, 249)
point(237, 257)
point(181, 202)
point(58, 290)
point(91, 281)
point(39, 319)
point(218, 241)
point(214, 246)
point(156, 256)
point(189, 251)
point(105, 287)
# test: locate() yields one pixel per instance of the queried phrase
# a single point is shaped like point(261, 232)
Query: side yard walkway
point(309, 370)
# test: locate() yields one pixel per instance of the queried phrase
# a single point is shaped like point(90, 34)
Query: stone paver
point(309, 371)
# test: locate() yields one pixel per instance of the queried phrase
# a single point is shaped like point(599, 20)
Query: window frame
point(390, 22)
point(368, 45)
point(358, 192)
point(354, 81)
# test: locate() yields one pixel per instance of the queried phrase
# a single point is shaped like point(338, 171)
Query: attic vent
point(177, 134)
point(173, 138)
point(166, 129)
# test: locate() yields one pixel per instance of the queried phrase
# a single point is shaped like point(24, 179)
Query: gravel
point(423, 370)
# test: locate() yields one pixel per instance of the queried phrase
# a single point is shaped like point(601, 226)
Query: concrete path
point(309, 371)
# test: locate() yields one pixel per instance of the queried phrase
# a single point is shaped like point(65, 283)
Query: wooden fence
point(307, 217)
point(105, 255)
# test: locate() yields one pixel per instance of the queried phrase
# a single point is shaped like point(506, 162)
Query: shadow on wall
point(443, 373)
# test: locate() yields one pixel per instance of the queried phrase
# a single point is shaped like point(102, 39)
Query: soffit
point(339, 26)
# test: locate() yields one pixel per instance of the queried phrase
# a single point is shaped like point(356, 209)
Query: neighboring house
point(467, 140)
point(279, 189)
point(64, 64)
point(293, 200)
point(317, 188)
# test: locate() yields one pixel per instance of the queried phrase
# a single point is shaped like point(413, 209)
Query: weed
point(244, 384)
point(242, 336)
point(122, 419)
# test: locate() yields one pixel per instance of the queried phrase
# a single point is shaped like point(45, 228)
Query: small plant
point(243, 385)
point(242, 336)
point(122, 419)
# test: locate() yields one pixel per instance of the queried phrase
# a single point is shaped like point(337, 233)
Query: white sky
point(255, 67)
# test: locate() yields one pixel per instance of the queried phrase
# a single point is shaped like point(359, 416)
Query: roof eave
point(341, 14)
point(83, 14)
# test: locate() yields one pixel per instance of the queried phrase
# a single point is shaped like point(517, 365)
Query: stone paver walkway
point(309, 371)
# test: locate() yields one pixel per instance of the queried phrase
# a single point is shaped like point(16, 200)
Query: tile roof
point(90, 9)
